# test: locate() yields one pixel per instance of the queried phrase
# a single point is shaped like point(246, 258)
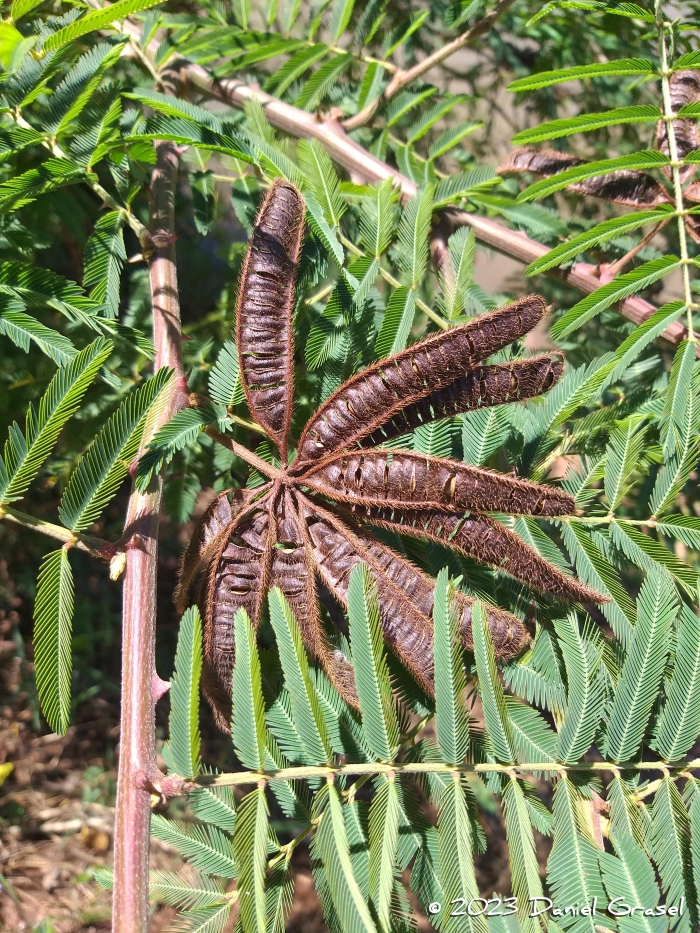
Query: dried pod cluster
point(311, 521)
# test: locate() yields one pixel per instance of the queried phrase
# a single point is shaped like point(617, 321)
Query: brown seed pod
point(264, 331)
point(633, 189)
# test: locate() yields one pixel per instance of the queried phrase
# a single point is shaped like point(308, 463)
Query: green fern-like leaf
point(184, 696)
point(103, 468)
point(641, 674)
point(250, 848)
point(451, 713)
point(490, 689)
point(582, 651)
point(383, 843)
point(525, 872)
point(573, 872)
point(53, 621)
point(630, 876)
point(207, 848)
point(23, 330)
point(248, 726)
point(104, 258)
point(98, 19)
point(182, 429)
point(25, 453)
point(371, 673)
point(587, 122)
point(670, 846)
point(456, 859)
point(347, 899)
point(413, 235)
point(188, 889)
point(679, 722)
point(306, 707)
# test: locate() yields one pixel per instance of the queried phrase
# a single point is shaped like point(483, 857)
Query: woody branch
point(360, 163)
point(138, 774)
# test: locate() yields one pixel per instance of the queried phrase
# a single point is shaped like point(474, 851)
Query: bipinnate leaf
point(378, 218)
point(187, 889)
point(349, 903)
point(582, 651)
point(490, 689)
point(306, 708)
point(623, 454)
point(250, 850)
point(23, 330)
point(620, 67)
point(413, 231)
point(596, 236)
point(573, 869)
point(248, 726)
point(451, 713)
point(630, 876)
point(374, 692)
point(383, 842)
point(53, 621)
point(670, 847)
point(104, 258)
point(184, 696)
point(456, 848)
point(398, 321)
point(225, 378)
point(95, 20)
point(630, 283)
point(103, 468)
point(524, 869)
point(587, 122)
point(206, 848)
point(25, 453)
point(679, 723)
point(640, 678)
point(182, 429)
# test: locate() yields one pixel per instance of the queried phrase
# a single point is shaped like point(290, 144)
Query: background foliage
point(594, 698)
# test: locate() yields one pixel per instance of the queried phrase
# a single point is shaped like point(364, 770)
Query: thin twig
point(98, 547)
point(137, 762)
point(306, 773)
point(93, 183)
point(670, 117)
point(403, 78)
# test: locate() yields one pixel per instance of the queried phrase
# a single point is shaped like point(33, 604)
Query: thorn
point(158, 688)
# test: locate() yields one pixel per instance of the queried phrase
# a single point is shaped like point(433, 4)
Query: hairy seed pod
point(483, 387)
point(486, 541)
point(401, 480)
point(265, 306)
point(375, 395)
point(633, 189)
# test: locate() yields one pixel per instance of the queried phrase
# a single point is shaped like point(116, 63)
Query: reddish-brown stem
point(137, 762)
